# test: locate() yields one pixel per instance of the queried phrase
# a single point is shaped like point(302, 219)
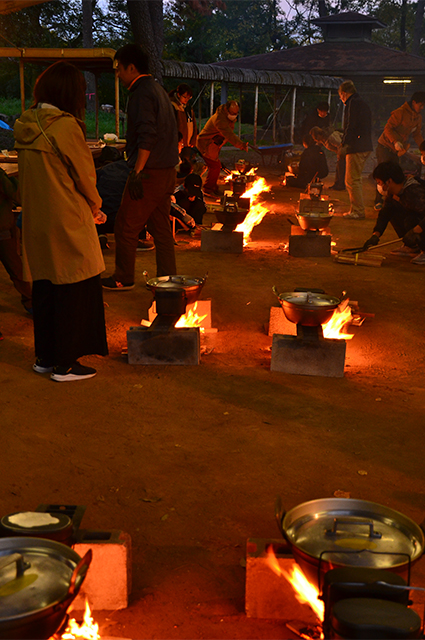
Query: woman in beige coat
point(60, 206)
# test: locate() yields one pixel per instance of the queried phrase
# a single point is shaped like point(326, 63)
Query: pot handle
point(146, 276)
point(21, 565)
point(80, 571)
point(279, 513)
point(353, 521)
point(275, 291)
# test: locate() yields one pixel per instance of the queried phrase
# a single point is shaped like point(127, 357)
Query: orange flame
point(257, 210)
point(305, 592)
point(336, 325)
point(89, 630)
point(191, 319)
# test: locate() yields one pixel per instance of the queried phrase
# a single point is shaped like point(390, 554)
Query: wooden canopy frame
point(97, 61)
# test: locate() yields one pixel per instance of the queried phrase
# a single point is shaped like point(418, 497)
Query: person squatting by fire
point(404, 208)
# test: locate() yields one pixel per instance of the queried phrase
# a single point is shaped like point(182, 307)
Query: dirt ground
point(189, 460)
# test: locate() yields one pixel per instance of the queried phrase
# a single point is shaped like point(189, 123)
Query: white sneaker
point(420, 258)
point(354, 216)
point(404, 251)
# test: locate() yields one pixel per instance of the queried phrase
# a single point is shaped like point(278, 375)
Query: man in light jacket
point(357, 145)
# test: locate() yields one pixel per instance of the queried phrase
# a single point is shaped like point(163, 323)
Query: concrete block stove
point(312, 238)
point(162, 342)
point(308, 352)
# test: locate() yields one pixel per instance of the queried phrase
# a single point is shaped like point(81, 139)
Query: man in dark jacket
point(404, 209)
point(357, 144)
point(152, 154)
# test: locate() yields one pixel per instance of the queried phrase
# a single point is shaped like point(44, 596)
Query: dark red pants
point(214, 168)
point(152, 210)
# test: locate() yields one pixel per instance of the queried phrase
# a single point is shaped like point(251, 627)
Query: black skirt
point(69, 321)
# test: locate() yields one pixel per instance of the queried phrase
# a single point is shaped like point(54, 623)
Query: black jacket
point(357, 125)
point(151, 125)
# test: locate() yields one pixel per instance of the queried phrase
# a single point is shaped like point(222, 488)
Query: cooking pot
point(307, 307)
point(189, 284)
point(341, 532)
point(35, 524)
point(38, 581)
point(313, 221)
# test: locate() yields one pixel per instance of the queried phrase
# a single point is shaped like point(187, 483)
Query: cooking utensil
point(377, 246)
point(37, 525)
point(312, 221)
point(38, 581)
point(191, 285)
point(307, 307)
point(341, 532)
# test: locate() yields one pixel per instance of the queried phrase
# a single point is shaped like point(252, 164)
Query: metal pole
point(22, 84)
point(96, 106)
point(294, 99)
point(274, 114)
point(329, 98)
point(212, 99)
point(240, 112)
point(117, 104)
point(255, 114)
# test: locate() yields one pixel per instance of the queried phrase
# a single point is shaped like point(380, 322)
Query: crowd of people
point(63, 198)
point(399, 198)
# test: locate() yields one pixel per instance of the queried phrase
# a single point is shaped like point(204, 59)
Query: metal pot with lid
point(341, 532)
point(38, 581)
point(309, 308)
point(190, 285)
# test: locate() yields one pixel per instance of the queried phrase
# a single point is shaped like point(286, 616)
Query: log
point(362, 259)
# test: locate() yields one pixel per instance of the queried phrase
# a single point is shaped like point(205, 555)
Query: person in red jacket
point(217, 131)
point(404, 122)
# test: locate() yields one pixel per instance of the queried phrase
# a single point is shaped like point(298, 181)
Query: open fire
point(89, 630)
point(191, 319)
point(337, 325)
point(305, 592)
point(257, 210)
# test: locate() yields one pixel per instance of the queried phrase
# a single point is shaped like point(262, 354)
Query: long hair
point(63, 86)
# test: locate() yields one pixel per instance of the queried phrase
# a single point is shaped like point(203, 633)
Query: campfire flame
point(257, 210)
point(191, 319)
point(335, 327)
point(305, 592)
point(89, 630)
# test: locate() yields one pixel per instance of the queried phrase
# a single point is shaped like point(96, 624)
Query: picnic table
point(277, 152)
point(9, 163)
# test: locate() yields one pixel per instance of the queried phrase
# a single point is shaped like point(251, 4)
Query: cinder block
point(108, 581)
point(322, 357)
point(309, 245)
point(221, 241)
point(268, 595)
point(176, 346)
point(279, 323)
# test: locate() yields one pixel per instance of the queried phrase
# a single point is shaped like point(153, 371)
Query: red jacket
point(402, 123)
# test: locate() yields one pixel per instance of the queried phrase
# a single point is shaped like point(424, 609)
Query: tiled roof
point(348, 17)
point(337, 59)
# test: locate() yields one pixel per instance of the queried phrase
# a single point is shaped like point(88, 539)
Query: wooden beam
point(255, 115)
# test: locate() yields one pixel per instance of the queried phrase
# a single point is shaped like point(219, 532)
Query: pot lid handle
point(21, 565)
point(353, 521)
point(80, 571)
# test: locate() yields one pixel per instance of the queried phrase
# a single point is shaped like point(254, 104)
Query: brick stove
point(308, 352)
point(312, 237)
point(162, 342)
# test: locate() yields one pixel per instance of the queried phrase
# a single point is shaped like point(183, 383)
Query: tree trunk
point(403, 25)
point(417, 32)
point(146, 18)
point(87, 10)
point(323, 11)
